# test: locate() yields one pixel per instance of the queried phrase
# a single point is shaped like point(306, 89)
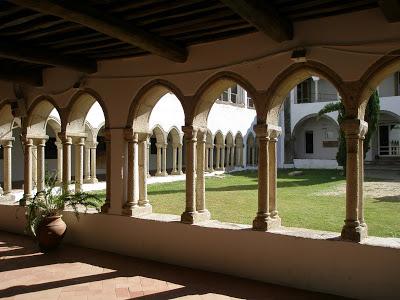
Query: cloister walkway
point(81, 273)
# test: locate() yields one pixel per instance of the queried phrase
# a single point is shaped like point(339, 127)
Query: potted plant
point(44, 213)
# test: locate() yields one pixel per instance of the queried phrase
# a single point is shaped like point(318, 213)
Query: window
point(225, 96)
point(231, 95)
point(153, 147)
point(309, 142)
point(234, 94)
point(250, 102)
point(304, 91)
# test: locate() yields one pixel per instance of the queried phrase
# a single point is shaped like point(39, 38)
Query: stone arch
point(78, 108)
point(229, 139)
point(159, 134)
point(390, 113)
point(209, 138)
point(219, 138)
point(250, 148)
point(55, 125)
point(211, 89)
point(239, 138)
point(314, 115)
point(374, 75)
point(176, 137)
point(145, 100)
point(39, 114)
point(290, 78)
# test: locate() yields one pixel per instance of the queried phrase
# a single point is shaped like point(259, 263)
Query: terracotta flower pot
point(50, 233)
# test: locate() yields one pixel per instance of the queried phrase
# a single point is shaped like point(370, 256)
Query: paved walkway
point(80, 273)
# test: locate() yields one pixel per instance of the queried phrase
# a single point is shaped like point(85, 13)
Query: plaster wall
point(307, 259)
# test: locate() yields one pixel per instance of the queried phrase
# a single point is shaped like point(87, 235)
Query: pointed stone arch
point(39, 114)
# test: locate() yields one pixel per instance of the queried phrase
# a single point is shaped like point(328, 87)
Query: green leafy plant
point(51, 202)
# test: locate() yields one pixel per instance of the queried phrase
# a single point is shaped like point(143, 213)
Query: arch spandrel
point(6, 122)
point(38, 116)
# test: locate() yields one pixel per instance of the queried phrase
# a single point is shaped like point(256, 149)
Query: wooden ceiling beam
point(79, 12)
point(391, 10)
point(10, 72)
point(264, 16)
point(27, 53)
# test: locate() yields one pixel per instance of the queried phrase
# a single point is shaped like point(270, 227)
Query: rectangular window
point(309, 142)
point(304, 91)
point(250, 102)
point(234, 94)
point(225, 96)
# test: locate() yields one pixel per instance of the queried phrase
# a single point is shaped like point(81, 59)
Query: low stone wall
point(299, 258)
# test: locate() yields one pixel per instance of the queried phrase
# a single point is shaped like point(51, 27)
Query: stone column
point(148, 156)
point(233, 156)
point(34, 165)
point(79, 147)
point(93, 163)
point(66, 161)
point(174, 159)
point(7, 167)
point(144, 204)
point(106, 208)
point(190, 136)
point(228, 156)
point(217, 162)
point(159, 173)
point(253, 155)
point(202, 213)
point(273, 173)
point(132, 202)
point(355, 131)
point(87, 177)
point(59, 162)
point(180, 159)
point(164, 160)
point(211, 160)
point(41, 146)
point(28, 144)
point(223, 157)
point(264, 220)
point(206, 165)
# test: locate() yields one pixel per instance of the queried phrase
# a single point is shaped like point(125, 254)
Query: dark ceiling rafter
point(79, 12)
point(11, 72)
point(264, 16)
point(391, 10)
point(25, 52)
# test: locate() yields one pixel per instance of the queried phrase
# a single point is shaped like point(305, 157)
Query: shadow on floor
point(83, 271)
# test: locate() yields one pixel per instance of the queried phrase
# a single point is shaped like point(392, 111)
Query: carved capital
point(267, 131)
point(354, 128)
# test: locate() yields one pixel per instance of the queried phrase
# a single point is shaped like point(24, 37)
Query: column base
point(105, 207)
point(91, 180)
point(176, 173)
point(25, 199)
point(136, 211)
point(158, 174)
point(354, 232)
point(265, 223)
point(195, 217)
point(164, 174)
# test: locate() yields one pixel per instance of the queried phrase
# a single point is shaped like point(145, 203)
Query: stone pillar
point(273, 173)
point(106, 208)
point(228, 156)
point(7, 167)
point(66, 161)
point(28, 144)
point(217, 162)
point(174, 159)
point(148, 157)
point(132, 202)
point(223, 157)
point(211, 160)
point(233, 156)
point(180, 159)
point(190, 136)
point(79, 147)
point(206, 165)
point(253, 155)
point(159, 150)
point(41, 169)
point(164, 160)
point(355, 131)
point(202, 213)
point(59, 162)
point(34, 165)
point(264, 220)
point(93, 163)
point(144, 205)
point(87, 177)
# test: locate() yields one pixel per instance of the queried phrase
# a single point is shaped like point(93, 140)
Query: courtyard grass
point(303, 201)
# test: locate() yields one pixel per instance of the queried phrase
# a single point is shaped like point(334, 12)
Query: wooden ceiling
point(76, 34)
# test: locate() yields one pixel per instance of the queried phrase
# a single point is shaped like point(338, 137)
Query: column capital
point(40, 141)
point(190, 131)
point(8, 143)
point(26, 140)
point(65, 139)
point(79, 140)
point(354, 128)
point(267, 131)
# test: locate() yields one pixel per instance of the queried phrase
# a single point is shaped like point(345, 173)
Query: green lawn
point(234, 199)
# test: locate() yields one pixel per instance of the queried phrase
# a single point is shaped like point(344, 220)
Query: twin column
point(267, 216)
point(7, 168)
